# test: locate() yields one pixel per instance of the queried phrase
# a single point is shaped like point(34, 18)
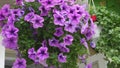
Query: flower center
point(42, 52)
point(20, 63)
point(59, 18)
point(48, 2)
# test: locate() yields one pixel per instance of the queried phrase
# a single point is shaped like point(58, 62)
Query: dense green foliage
point(109, 41)
point(112, 5)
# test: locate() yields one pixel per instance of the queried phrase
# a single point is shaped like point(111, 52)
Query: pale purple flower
point(19, 2)
point(70, 27)
point(43, 62)
point(2, 17)
point(44, 43)
point(42, 53)
point(32, 54)
point(37, 21)
point(19, 63)
point(84, 42)
point(82, 58)
point(53, 42)
point(75, 18)
point(29, 16)
point(63, 48)
point(93, 44)
point(84, 28)
point(59, 32)
point(12, 31)
point(10, 43)
point(44, 11)
point(29, 0)
point(59, 19)
point(93, 26)
point(86, 16)
point(68, 39)
point(89, 34)
point(62, 58)
point(88, 65)
point(87, 31)
point(6, 9)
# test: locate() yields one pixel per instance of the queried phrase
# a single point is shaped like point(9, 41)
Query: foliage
point(109, 41)
point(111, 5)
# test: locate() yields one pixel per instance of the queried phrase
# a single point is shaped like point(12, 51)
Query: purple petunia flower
point(68, 39)
point(53, 42)
point(6, 9)
point(59, 19)
point(37, 21)
point(48, 3)
point(29, 16)
point(44, 11)
point(59, 32)
point(82, 58)
point(63, 48)
point(70, 27)
point(19, 63)
point(42, 53)
point(11, 20)
point(6, 26)
point(36, 56)
point(71, 10)
point(32, 54)
point(62, 58)
point(29, 0)
point(10, 43)
point(75, 18)
point(18, 13)
point(19, 2)
point(83, 41)
point(80, 9)
point(64, 7)
point(2, 17)
point(88, 65)
point(12, 31)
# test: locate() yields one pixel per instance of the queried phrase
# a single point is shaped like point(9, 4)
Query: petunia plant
point(53, 33)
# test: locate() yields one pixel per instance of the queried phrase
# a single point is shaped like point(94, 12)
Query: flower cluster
point(9, 31)
point(67, 17)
